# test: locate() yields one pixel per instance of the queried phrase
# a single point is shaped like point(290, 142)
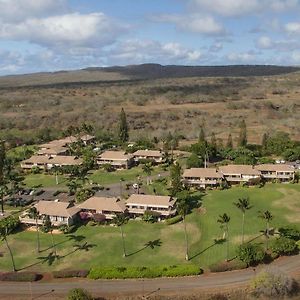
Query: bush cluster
point(283, 246)
point(15, 276)
point(70, 273)
point(174, 220)
point(228, 266)
point(144, 272)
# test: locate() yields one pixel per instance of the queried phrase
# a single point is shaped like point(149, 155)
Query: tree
point(120, 220)
point(201, 138)
point(56, 170)
point(3, 192)
point(224, 220)
point(2, 181)
point(79, 294)
point(183, 209)
point(194, 161)
point(242, 140)
point(175, 173)
point(147, 168)
point(33, 213)
point(7, 226)
point(73, 186)
point(243, 205)
point(264, 141)
point(123, 127)
point(229, 143)
point(48, 227)
point(267, 216)
point(213, 143)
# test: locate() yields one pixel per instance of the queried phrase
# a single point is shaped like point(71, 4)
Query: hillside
point(268, 101)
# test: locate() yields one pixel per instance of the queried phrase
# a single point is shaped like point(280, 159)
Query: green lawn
point(103, 177)
point(45, 180)
point(281, 200)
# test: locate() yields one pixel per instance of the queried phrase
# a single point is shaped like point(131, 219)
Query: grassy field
point(99, 176)
point(105, 242)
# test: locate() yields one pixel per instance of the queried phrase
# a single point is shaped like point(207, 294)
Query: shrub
point(22, 276)
point(250, 253)
point(228, 266)
point(291, 232)
point(70, 273)
point(143, 272)
point(283, 246)
point(79, 294)
point(174, 220)
point(272, 283)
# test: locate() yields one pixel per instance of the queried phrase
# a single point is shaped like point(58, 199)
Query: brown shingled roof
point(238, 169)
point(103, 204)
point(202, 172)
point(165, 201)
point(55, 160)
point(53, 208)
point(121, 155)
point(275, 167)
point(151, 153)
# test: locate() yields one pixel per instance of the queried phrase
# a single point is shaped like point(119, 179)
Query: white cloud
point(283, 45)
point(264, 42)
point(242, 58)
point(65, 31)
point(230, 8)
point(292, 28)
point(197, 23)
point(19, 10)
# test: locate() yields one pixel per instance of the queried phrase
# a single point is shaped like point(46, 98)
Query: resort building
point(239, 173)
point(60, 213)
point(138, 204)
point(108, 207)
point(154, 155)
point(279, 172)
point(48, 162)
point(117, 159)
point(202, 177)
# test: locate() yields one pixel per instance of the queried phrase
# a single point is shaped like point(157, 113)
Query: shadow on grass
point(149, 244)
point(216, 242)
point(77, 247)
point(76, 238)
point(50, 247)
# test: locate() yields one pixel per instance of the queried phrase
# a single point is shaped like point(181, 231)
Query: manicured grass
point(45, 180)
point(103, 177)
point(106, 246)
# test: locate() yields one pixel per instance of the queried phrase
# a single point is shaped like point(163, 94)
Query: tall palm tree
point(183, 209)
point(33, 213)
point(120, 220)
point(267, 216)
point(224, 220)
point(243, 205)
point(3, 234)
point(147, 168)
point(49, 228)
point(3, 192)
point(56, 170)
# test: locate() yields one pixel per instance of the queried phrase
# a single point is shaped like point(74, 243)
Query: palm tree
point(49, 228)
point(147, 168)
point(243, 205)
point(183, 209)
point(4, 232)
point(224, 220)
point(267, 216)
point(56, 170)
point(33, 212)
point(3, 192)
point(120, 220)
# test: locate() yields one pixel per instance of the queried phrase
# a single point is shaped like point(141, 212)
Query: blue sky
point(50, 35)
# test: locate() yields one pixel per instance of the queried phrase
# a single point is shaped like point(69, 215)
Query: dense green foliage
point(283, 246)
point(194, 161)
point(123, 127)
point(144, 272)
point(228, 266)
point(250, 253)
point(291, 232)
point(70, 273)
point(79, 294)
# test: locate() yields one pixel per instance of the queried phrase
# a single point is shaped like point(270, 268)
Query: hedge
point(70, 273)
point(174, 220)
point(144, 272)
point(22, 276)
point(228, 266)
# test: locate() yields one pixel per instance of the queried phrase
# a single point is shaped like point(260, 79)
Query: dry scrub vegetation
point(154, 107)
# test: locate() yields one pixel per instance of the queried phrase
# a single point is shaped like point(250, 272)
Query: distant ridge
point(94, 75)
point(159, 71)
